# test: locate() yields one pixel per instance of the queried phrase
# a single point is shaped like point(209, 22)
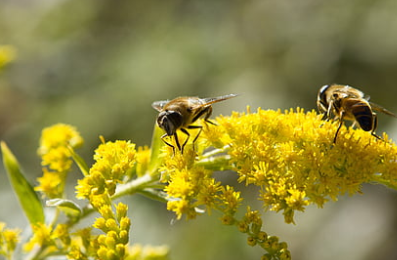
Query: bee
point(348, 103)
point(180, 114)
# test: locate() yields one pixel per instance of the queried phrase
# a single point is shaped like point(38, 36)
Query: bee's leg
point(167, 143)
point(196, 127)
point(208, 112)
point(340, 125)
point(327, 114)
point(187, 139)
point(375, 124)
point(177, 142)
point(209, 121)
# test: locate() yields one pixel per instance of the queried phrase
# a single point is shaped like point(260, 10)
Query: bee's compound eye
point(170, 121)
point(322, 94)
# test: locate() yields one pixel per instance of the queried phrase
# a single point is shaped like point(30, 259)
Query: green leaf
point(28, 198)
point(157, 145)
point(79, 161)
point(70, 208)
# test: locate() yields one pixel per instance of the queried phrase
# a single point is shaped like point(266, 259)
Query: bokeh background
point(99, 65)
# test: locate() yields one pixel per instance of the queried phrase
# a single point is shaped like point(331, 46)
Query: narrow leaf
point(156, 146)
point(70, 208)
point(27, 197)
point(79, 161)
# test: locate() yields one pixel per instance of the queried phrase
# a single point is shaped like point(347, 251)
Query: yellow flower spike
point(181, 207)
point(83, 188)
point(112, 225)
point(296, 199)
point(114, 159)
point(59, 135)
point(291, 157)
point(113, 162)
point(120, 249)
point(76, 254)
point(51, 184)
point(125, 223)
point(251, 241)
point(243, 227)
point(106, 212)
point(231, 199)
point(102, 253)
point(272, 241)
point(262, 236)
point(285, 254)
point(121, 211)
point(100, 223)
point(61, 232)
point(55, 144)
point(124, 237)
point(41, 236)
point(8, 240)
point(110, 240)
point(102, 239)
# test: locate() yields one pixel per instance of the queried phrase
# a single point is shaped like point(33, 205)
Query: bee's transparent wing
point(159, 105)
point(209, 101)
point(379, 108)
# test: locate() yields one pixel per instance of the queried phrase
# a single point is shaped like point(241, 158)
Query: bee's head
point(170, 121)
point(322, 102)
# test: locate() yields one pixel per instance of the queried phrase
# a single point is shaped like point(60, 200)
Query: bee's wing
point(159, 105)
point(209, 101)
point(379, 108)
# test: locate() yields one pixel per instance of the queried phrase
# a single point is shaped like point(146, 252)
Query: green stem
point(133, 187)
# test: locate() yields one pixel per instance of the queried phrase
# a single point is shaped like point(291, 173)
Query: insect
point(180, 113)
point(348, 103)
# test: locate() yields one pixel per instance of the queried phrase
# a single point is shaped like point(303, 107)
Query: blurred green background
point(99, 65)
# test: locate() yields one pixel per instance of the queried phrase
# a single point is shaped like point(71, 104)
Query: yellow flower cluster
point(113, 161)
point(112, 244)
point(8, 240)
point(252, 224)
point(49, 240)
point(55, 144)
point(191, 186)
point(46, 240)
point(7, 54)
point(291, 157)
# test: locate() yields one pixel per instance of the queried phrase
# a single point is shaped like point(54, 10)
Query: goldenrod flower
point(8, 240)
point(55, 144)
point(113, 161)
point(112, 244)
point(41, 237)
point(291, 157)
point(61, 233)
point(50, 183)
